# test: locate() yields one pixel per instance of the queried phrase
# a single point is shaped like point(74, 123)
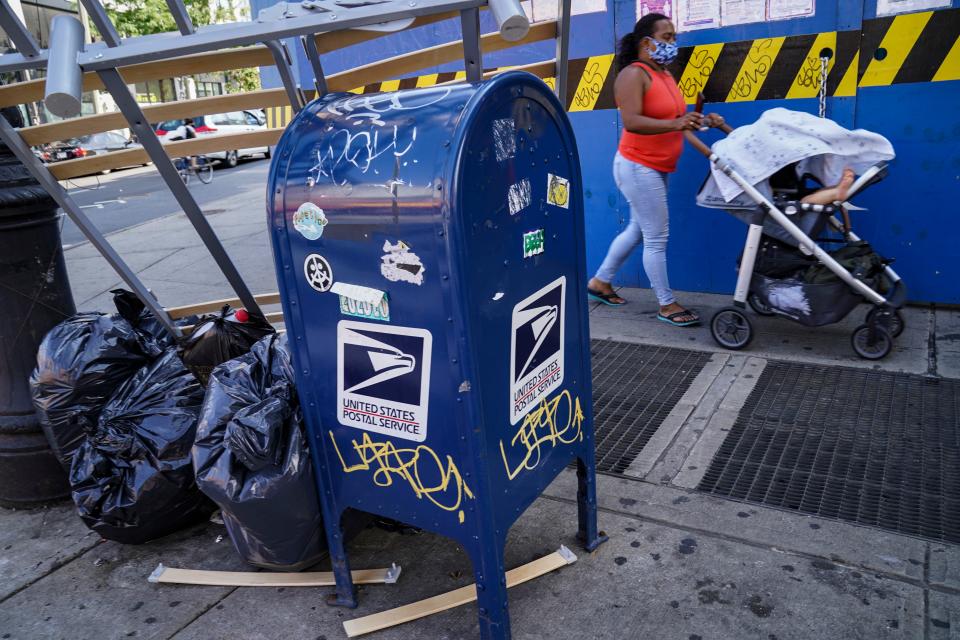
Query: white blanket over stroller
point(781, 137)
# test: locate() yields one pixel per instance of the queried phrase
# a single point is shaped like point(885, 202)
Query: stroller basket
point(810, 304)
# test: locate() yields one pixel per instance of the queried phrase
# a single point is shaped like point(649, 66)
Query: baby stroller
point(784, 270)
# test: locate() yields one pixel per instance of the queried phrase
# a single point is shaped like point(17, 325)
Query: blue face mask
point(665, 53)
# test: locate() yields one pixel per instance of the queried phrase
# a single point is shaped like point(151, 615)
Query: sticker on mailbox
point(536, 348)
point(383, 378)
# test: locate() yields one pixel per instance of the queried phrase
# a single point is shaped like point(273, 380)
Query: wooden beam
point(76, 127)
point(343, 81)
point(178, 149)
point(545, 69)
point(263, 579)
point(455, 598)
point(431, 56)
point(262, 299)
point(240, 58)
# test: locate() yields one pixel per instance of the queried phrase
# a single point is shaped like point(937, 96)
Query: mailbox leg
point(488, 569)
point(588, 534)
point(346, 595)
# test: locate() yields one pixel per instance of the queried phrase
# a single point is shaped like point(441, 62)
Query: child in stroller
point(784, 270)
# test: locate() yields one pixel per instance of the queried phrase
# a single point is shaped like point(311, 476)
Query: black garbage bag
point(251, 458)
point(132, 309)
point(80, 364)
point(132, 478)
point(221, 337)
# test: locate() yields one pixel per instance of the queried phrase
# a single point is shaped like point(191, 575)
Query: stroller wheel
point(896, 323)
point(758, 305)
point(881, 345)
point(731, 328)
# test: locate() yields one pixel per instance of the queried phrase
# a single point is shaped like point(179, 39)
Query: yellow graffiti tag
point(407, 465)
point(545, 425)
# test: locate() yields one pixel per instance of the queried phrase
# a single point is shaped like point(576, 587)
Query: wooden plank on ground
point(265, 579)
point(455, 598)
point(263, 299)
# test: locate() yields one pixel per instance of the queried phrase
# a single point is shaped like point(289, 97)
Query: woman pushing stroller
point(654, 117)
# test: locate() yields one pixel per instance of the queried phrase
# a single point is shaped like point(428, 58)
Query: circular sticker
point(309, 220)
point(318, 272)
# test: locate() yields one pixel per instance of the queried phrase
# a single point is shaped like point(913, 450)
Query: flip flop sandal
point(605, 298)
point(671, 319)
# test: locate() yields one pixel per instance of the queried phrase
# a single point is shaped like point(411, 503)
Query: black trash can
point(34, 296)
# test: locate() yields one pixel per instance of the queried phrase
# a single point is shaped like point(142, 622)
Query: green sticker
point(532, 243)
point(360, 309)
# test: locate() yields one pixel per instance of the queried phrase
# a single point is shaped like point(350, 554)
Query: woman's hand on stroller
point(690, 121)
point(714, 120)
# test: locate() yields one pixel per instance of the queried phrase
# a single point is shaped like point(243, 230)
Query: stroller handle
point(699, 145)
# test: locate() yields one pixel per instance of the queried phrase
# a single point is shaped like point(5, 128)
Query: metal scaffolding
point(68, 59)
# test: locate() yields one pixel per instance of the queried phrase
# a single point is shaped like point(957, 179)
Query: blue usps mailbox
point(430, 255)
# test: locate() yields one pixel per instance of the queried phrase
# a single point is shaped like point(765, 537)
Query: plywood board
point(266, 579)
point(455, 598)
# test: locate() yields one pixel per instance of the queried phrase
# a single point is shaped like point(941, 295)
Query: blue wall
point(912, 215)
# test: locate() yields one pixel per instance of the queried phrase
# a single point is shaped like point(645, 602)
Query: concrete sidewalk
point(680, 564)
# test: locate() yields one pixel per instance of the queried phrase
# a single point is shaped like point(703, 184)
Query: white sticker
point(519, 196)
point(558, 191)
point(362, 302)
point(536, 348)
point(504, 139)
point(358, 292)
point(309, 220)
point(399, 264)
point(318, 272)
point(383, 378)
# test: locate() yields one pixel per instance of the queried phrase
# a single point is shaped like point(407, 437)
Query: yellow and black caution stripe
point(909, 48)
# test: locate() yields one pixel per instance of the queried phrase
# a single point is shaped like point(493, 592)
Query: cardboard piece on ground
point(455, 598)
point(264, 579)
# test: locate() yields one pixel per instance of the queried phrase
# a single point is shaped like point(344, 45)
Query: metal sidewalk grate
point(875, 448)
point(634, 388)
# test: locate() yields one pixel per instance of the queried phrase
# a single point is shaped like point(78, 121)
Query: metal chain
point(824, 61)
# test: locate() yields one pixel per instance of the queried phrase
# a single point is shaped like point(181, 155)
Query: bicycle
point(203, 170)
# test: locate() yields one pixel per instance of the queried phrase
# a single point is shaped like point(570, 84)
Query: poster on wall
point(538, 10)
point(742, 11)
point(783, 9)
point(893, 7)
point(697, 14)
point(664, 7)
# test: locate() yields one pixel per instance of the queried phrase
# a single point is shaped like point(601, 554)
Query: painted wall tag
point(383, 378)
point(309, 220)
point(532, 243)
point(399, 264)
point(558, 191)
point(536, 348)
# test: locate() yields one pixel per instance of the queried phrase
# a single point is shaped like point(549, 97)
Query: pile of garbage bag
point(132, 476)
point(219, 337)
point(251, 458)
point(80, 363)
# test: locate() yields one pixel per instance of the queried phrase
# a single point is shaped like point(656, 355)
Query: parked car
point(85, 146)
point(232, 122)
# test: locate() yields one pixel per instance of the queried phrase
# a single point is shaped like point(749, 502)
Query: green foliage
point(242, 80)
point(143, 17)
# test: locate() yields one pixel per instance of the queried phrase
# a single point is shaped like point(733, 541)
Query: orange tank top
point(662, 101)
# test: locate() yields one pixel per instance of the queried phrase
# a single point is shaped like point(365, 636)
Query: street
point(123, 199)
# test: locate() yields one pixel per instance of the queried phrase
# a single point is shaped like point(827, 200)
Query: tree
point(143, 17)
